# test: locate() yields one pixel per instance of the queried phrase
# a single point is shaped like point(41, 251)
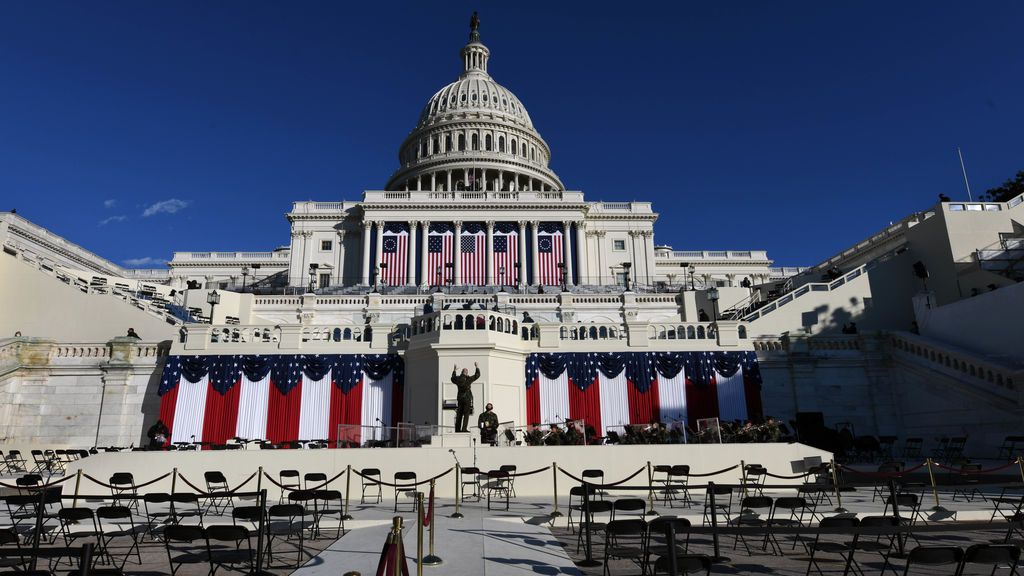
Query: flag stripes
point(439, 255)
point(549, 256)
point(473, 258)
point(395, 257)
point(506, 259)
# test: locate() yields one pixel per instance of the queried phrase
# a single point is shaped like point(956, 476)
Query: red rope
point(970, 472)
point(430, 509)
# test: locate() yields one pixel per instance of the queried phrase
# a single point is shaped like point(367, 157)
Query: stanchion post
point(174, 480)
point(743, 477)
point(589, 561)
point(78, 482)
point(458, 496)
point(419, 534)
point(650, 492)
point(348, 492)
point(431, 559)
point(398, 549)
point(931, 478)
point(714, 524)
point(554, 481)
point(259, 479)
point(835, 486)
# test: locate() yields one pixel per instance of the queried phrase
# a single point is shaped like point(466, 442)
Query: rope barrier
point(37, 486)
point(122, 486)
point(611, 485)
point(715, 473)
point(898, 474)
point(530, 473)
point(804, 475)
point(293, 488)
point(404, 484)
point(975, 472)
point(429, 515)
point(205, 493)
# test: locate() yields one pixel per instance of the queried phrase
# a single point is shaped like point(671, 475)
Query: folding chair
point(314, 481)
point(330, 502)
point(54, 462)
point(186, 505)
point(286, 520)
point(722, 507)
point(912, 448)
point(687, 564)
point(216, 482)
point(79, 524)
point(120, 524)
point(40, 462)
point(623, 507)
point(830, 546)
point(881, 488)
point(935, 556)
point(8, 537)
point(159, 511)
point(405, 483)
point(750, 517)
point(473, 475)
point(251, 515)
point(122, 485)
point(679, 479)
point(577, 492)
point(595, 476)
point(236, 554)
point(657, 538)
point(15, 462)
point(994, 555)
point(910, 508)
point(367, 475)
point(28, 483)
point(795, 507)
point(590, 522)
point(864, 543)
point(1009, 502)
point(968, 482)
point(289, 480)
point(185, 545)
point(624, 539)
point(498, 482)
point(306, 499)
point(752, 481)
point(511, 469)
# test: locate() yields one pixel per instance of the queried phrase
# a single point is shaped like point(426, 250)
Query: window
point(475, 142)
point(326, 245)
point(325, 280)
point(487, 142)
point(620, 278)
point(512, 146)
point(619, 245)
point(462, 142)
point(501, 143)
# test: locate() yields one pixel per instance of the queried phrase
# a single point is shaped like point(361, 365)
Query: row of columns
point(368, 263)
point(494, 181)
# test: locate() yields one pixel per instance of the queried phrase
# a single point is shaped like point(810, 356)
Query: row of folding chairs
point(646, 544)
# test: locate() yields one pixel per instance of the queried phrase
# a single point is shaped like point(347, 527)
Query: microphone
point(451, 450)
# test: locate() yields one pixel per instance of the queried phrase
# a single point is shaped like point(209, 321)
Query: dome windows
point(501, 143)
point(487, 142)
point(463, 98)
point(512, 146)
point(462, 142)
point(447, 142)
point(485, 97)
point(475, 142)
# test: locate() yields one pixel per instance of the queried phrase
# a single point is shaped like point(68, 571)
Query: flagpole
point(963, 169)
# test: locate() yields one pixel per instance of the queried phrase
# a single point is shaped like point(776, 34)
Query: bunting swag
point(612, 390)
point(279, 398)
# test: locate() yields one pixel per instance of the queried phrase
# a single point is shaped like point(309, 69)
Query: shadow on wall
point(151, 401)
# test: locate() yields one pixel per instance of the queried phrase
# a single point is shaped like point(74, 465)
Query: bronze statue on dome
point(474, 27)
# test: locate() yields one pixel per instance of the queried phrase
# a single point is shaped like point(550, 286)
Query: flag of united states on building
point(439, 255)
point(474, 256)
point(506, 259)
point(395, 255)
point(549, 256)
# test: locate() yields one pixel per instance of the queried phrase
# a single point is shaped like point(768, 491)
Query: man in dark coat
point(158, 435)
point(464, 383)
point(488, 423)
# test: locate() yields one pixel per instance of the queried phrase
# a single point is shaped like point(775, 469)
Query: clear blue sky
point(795, 127)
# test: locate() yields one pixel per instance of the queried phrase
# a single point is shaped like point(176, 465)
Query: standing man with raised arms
point(464, 383)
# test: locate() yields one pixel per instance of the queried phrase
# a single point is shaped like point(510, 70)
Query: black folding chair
point(679, 479)
point(511, 469)
point(371, 479)
point(624, 539)
point(405, 483)
point(882, 544)
point(330, 502)
point(750, 517)
point(687, 564)
point(315, 481)
point(498, 482)
point(185, 545)
point(994, 555)
point(722, 507)
point(657, 538)
point(968, 482)
point(79, 524)
point(1009, 502)
point(122, 488)
point(881, 488)
point(8, 537)
point(116, 522)
point(186, 505)
point(795, 508)
point(286, 521)
point(935, 556)
point(216, 482)
point(600, 514)
point(15, 462)
point(289, 480)
point(306, 499)
point(909, 507)
point(829, 545)
point(622, 508)
point(233, 549)
point(470, 477)
point(594, 476)
point(159, 511)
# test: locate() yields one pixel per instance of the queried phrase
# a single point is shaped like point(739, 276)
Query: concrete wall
point(42, 306)
point(991, 323)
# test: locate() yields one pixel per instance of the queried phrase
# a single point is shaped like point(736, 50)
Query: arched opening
point(462, 142)
point(447, 143)
point(474, 142)
point(524, 150)
point(487, 142)
point(501, 143)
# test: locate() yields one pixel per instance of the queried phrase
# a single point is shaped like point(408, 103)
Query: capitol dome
point(474, 134)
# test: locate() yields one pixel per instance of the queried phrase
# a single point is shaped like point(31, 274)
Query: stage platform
point(617, 462)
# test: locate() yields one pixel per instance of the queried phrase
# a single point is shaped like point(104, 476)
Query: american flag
point(395, 255)
point(439, 254)
point(549, 255)
point(474, 258)
point(506, 255)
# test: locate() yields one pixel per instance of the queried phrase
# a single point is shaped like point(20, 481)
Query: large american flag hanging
point(439, 255)
point(474, 254)
point(549, 256)
point(395, 254)
point(506, 258)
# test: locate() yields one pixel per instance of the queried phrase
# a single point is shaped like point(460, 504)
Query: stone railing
point(436, 323)
point(892, 232)
point(783, 272)
point(687, 331)
point(1001, 379)
point(280, 256)
point(41, 352)
point(633, 207)
point(427, 196)
point(807, 289)
point(283, 338)
point(315, 207)
point(713, 255)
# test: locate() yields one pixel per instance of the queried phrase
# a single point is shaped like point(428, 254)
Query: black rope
point(403, 485)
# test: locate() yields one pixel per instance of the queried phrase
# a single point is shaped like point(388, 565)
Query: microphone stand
point(474, 452)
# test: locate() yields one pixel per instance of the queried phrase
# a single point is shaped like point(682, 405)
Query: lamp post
point(450, 280)
point(245, 273)
point(561, 274)
point(312, 277)
point(213, 298)
point(383, 267)
point(625, 267)
point(713, 297)
point(255, 267)
point(501, 275)
point(439, 277)
point(692, 269)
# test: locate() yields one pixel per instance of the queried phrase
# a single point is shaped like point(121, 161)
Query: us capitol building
point(474, 218)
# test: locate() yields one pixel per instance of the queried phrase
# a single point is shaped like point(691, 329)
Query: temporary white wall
point(991, 323)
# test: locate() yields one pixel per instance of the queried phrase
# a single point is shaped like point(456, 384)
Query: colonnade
point(373, 234)
point(476, 179)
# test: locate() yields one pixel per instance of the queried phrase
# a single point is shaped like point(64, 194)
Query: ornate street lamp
point(383, 267)
point(561, 273)
point(312, 277)
point(245, 273)
point(713, 297)
point(213, 298)
point(625, 267)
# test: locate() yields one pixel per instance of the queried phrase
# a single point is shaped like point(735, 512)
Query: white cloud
point(109, 203)
point(145, 261)
point(165, 206)
point(106, 221)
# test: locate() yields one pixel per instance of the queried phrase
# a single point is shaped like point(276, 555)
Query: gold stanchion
point(348, 492)
point(431, 559)
point(174, 479)
point(78, 482)
point(931, 478)
point(458, 489)
point(835, 486)
point(396, 534)
point(259, 480)
point(554, 477)
point(419, 534)
point(650, 492)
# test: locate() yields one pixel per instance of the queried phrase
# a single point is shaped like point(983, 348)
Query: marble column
point(457, 254)
point(339, 275)
point(490, 252)
point(379, 249)
point(582, 265)
point(366, 251)
point(567, 252)
point(522, 252)
point(533, 264)
point(428, 275)
point(410, 256)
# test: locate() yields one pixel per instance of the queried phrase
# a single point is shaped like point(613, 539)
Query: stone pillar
point(536, 258)
point(379, 252)
point(490, 252)
point(567, 252)
point(457, 254)
point(366, 251)
point(424, 255)
point(449, 188)
point(339, 263)
point(521, 238)
point(410, 257)
point(581, 254)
